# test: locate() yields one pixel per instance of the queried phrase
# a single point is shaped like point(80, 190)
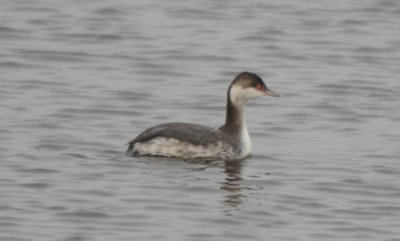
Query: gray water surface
point(79, 79)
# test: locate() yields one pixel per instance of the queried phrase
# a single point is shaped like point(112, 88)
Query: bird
point(231, 141)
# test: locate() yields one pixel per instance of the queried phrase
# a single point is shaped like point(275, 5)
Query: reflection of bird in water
point(232, 183)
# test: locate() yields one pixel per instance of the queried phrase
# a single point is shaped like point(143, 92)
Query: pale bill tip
point(273, 94)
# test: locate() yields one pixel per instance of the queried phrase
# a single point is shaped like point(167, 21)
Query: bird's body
point(184, 140)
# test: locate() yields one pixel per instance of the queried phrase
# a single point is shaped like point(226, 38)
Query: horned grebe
point(188, 141)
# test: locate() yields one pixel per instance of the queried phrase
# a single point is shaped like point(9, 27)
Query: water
point(79, 79)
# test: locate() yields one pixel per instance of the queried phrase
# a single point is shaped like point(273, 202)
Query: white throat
point(245, 141)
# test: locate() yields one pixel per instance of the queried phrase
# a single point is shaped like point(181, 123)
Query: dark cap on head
point(248, 80)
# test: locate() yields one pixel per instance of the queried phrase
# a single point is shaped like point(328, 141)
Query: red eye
point(259, 87)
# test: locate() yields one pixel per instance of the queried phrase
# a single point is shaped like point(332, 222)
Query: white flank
point(175, 148)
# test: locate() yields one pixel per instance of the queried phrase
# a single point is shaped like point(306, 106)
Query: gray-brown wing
point(191, 133)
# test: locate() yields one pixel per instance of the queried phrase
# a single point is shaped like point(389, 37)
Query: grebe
point(188, 141)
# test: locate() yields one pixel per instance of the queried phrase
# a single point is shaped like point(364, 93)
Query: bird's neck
point(235, 122)
point(235, 127)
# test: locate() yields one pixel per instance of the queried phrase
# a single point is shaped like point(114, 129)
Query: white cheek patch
point(238, 94)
